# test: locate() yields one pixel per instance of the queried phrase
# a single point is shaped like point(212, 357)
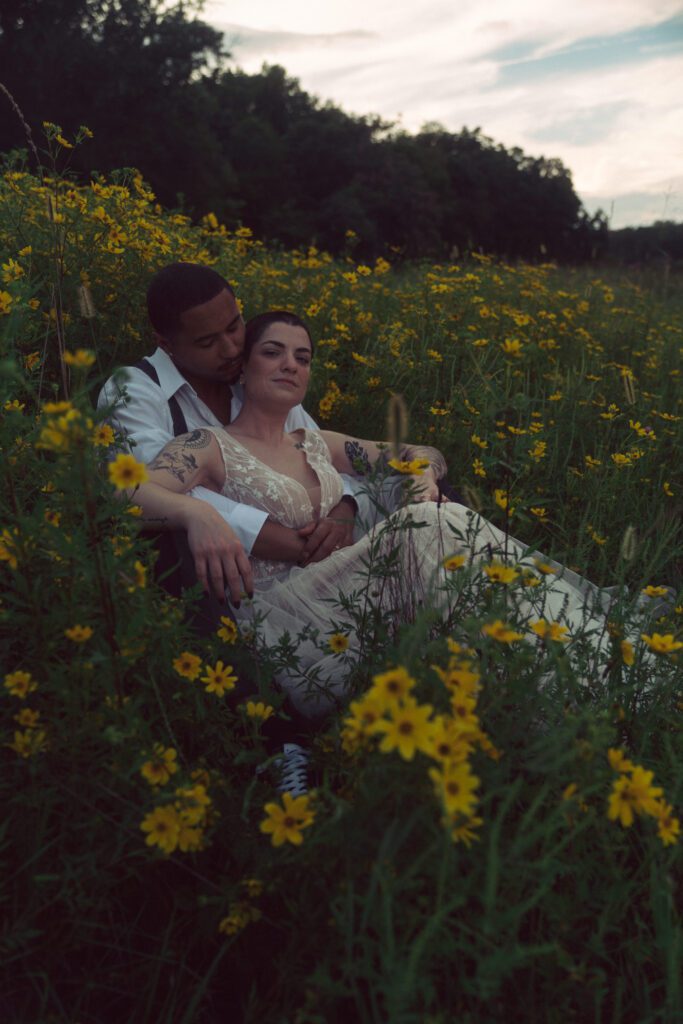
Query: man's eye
point(304, 361)
point(206, 344)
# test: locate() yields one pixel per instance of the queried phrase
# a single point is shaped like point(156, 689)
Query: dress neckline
point(315, 513)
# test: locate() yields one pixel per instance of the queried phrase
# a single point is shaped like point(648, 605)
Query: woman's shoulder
point(315, 439)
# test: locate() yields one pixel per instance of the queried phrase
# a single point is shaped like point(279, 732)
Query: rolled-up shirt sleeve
point(145, 424)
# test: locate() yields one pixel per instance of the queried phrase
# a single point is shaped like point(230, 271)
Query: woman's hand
point(329, 534)
point(423, 486)
point(220, 560)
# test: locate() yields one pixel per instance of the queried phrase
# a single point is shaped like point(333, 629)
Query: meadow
point(519, 856)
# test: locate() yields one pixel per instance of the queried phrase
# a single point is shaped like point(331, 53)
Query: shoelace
point(291, 767)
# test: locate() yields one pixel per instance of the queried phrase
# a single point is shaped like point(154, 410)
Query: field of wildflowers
point(491, 837)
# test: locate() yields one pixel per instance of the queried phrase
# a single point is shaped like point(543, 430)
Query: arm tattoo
point(176, 459)
point(197, 439)
point(358, 457)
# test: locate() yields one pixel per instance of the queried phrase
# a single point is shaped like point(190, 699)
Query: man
point(191, 381)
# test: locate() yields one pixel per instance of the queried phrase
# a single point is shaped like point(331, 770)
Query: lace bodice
point(252, 482)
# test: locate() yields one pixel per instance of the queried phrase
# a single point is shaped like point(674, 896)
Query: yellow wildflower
point(668, 827)
point(79, 634)
point(163, 828)
point(499, 573)
point(499, 631)
point(338, 642)
point(259, 710)
point(512, 347)
point(415, 467)
point(662, 643)
point(285, 823)
point(219, 680)
point(549, 630)
point(455, 786)
point(632, 795)
point(192, 804)
point(126, 471)
point(393, 685)
point(618, 762)
point(27, 718)
point(454, 562)
point(81, 359)
point(29, 742)
point(228, 631)
point(652, 591)
point(162, 766)
point(20, 684)
point(502, 499)
point(407, 730)
point(627, 652)
point(465, 831)
point(102, 435)
point(8, 547)
point(188, 665)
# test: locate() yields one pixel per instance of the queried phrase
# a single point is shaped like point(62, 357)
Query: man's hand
point(220, 560)
point(329, 534)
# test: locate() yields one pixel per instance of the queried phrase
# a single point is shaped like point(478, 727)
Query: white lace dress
point(409, 547)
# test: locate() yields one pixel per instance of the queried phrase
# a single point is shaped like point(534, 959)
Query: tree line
point(154, 85)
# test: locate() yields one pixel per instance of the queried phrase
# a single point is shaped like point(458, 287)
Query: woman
point(396, 568)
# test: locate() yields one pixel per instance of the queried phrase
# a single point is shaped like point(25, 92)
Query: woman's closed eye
point(303, 360)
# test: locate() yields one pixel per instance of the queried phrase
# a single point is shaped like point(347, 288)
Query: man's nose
point(230, 345)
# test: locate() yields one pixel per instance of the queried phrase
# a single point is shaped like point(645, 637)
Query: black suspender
point(179, 424)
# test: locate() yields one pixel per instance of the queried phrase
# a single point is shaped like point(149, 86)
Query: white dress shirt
point(142, 416)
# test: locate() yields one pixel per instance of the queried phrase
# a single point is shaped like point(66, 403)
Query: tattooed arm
point(424, 466)
point(188, 461)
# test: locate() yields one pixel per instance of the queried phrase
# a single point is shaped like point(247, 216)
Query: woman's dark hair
point(262, 321)
point(177, 288)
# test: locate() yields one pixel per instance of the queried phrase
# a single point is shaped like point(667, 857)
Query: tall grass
point(555, 395)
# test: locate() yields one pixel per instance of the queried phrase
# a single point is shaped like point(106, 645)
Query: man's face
point(209, 343)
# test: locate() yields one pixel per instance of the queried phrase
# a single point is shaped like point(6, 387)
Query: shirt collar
point(170, 377)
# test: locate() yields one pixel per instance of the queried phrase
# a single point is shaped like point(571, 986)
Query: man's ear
point(163, 343)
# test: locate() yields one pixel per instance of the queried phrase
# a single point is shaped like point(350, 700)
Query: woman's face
point(279, 366)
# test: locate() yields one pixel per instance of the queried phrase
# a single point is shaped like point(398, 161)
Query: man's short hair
point(177, 288)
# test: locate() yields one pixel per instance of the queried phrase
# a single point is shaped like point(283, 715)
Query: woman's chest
point(289, 461)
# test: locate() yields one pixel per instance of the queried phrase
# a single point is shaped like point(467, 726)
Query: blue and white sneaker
point(291, 767)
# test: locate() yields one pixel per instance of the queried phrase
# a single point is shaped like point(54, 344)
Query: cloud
point(596, 84)
point(638, 208)
point(248, 42)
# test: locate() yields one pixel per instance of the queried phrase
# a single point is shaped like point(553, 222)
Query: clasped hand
point(327, 535)
point(222, 564)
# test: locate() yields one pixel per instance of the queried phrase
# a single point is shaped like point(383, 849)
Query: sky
point(596, 83)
